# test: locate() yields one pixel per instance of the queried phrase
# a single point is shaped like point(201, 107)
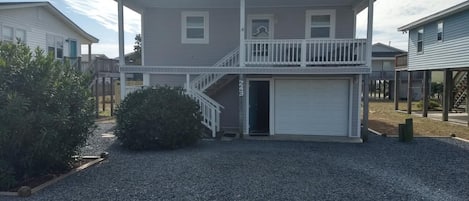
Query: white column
point(146, 79)
point(120, 12)
point(188, 82)
point(366, 88)
point(242, 25)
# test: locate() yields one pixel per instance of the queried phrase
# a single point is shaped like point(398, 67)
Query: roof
point(436, 16)
point(54, 11)
point(140, 5)
point(381, 50)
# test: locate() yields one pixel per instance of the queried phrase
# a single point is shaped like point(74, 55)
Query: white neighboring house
point(277, 67)
point(40, 24)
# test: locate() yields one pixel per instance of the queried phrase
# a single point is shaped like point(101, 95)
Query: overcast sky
point(99, 18)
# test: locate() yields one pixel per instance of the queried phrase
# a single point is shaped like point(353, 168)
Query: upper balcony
point(305, 52)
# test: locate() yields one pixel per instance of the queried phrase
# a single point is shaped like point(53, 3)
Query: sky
point(99, 18)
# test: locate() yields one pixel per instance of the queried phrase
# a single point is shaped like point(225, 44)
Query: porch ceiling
point(139, 5)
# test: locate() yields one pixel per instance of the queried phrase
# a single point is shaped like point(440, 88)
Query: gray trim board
point(246, 70)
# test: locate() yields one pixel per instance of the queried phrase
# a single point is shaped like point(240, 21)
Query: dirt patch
point(384, 119)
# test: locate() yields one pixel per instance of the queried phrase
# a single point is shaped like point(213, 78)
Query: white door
point(312, 107)
point(260, 27)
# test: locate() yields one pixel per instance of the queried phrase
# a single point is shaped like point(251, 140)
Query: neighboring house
point(259, 67)
point(439, 42)
point(39, 24)
point(382, 77)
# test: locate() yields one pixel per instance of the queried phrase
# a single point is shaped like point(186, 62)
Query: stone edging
point(55, 180)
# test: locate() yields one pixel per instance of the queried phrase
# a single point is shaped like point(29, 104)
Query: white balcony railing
point(306, 52)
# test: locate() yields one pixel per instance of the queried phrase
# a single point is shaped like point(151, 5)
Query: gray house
point(259, 67)
point(439, 42)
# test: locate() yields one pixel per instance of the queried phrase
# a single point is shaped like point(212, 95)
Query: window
point(7, 34)
point(320, 24)
point(439, 36)
point(55, 46)
point(195, 27)
point(420, 41)
point(20, 35)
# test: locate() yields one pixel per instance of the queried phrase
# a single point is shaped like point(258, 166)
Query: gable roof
point(54, 11)
point(436, 16)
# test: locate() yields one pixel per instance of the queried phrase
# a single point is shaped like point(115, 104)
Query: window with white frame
point(195, 27)
point(439, 35)
point(20, 35)
point(55, 46)
point(320, 24)
point(7, 34)
point(420, 41)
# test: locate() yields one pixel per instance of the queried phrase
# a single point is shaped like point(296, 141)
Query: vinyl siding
point(38, 22)
point(452, 52)
point(162, 32)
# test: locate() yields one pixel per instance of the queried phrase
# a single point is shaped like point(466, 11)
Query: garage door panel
point(312, 107)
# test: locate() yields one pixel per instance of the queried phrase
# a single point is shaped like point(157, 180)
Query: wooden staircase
point(209, 83)
point(460, 89)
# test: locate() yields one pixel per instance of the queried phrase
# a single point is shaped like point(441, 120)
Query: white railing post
point(303, 53)
point(242, 48)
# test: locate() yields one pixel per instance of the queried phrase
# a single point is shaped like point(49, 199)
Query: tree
point(135, 58)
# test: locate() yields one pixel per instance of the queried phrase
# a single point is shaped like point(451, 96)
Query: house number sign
point(241, 88)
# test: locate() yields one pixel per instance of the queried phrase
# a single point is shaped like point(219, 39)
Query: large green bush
point(158, 117)
point(46, 113)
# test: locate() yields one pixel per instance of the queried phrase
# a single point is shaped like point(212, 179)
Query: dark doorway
point(259, 107)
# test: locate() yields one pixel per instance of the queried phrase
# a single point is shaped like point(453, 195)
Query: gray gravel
point(100, 141)
point(383, 169)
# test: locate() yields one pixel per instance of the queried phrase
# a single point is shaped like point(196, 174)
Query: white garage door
point(312, 107)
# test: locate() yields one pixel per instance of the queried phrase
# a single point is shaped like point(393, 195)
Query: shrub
point(432, 104)
point(159, 117)
point(46, 111)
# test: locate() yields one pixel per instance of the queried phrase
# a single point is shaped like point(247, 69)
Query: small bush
point(46, 111)
point(432, 104)
point(158, 117)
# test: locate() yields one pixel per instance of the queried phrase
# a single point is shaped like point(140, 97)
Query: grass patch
point(384, 119)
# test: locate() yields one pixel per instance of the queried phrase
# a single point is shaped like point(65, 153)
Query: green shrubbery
point(158, 117)
point(432, 104)
point(46, 114)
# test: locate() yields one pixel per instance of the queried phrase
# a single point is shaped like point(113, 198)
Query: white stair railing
point(204, 81)
point(209, 109)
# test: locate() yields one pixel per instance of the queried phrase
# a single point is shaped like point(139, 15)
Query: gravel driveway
point(383, 169)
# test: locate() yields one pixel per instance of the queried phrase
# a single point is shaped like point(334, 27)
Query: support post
point(397, 80)
point(448, 79)
point(242, 35)
point(303, 53)
point(426, 94)
point(467, 95)
point(146, 79)
point(409, 92)
point(89, 59)
point(120, 13)
point(188, 82)
point(104, 93)
point(366, 87)
point(96, 94)
point(112, 96)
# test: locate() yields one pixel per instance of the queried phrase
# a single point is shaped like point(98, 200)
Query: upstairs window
point(7, 34)
point(420, 41)
point(320, 24)
point(55, 46)
point(195, 27)
point(439, 36)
